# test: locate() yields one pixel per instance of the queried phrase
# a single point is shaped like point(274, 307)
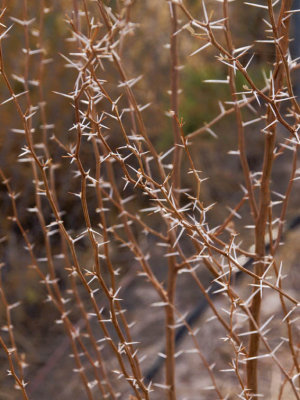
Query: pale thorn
point(256, 5)
point(23, 22)
point(72, 97)
point(3, 35)
point(13, 97)
point(205, 12)
point(200, 49)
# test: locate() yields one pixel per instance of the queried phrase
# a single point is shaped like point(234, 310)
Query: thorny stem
point(183, 231)
point(172, 272)
point(238, 113)
point(175, 100)
point(264, 203)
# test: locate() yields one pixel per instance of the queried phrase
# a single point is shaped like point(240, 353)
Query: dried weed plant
point(131, 193)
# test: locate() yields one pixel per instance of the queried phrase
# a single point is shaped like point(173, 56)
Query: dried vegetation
point(114, 235)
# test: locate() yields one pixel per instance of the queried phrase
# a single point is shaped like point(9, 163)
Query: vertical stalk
point(238, 114)
point(170, 332)
point(172, 272)
point(264, 199)
point(175, 99)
